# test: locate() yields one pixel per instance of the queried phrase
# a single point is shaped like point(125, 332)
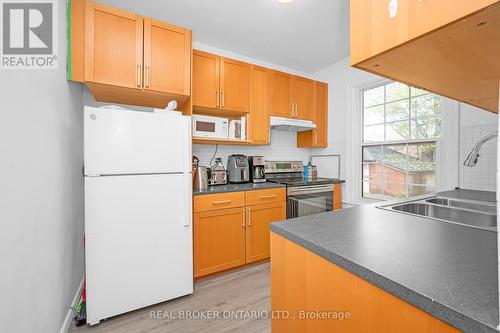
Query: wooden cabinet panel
point(373, 31)
point(260, 102)
point(303, 90)
point(167, 58)
point(258, 197)
point(313, 283)
point(317, 138)
point(234, 85)
point(113, 46)
point(259, 217)
point(219, 240)
point(218, 201)
point(337, 196)
point(205, 79)
point(281, 94)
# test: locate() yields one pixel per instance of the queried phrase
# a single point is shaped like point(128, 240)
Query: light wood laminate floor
point(242, 290)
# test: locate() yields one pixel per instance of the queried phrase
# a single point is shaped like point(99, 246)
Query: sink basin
point(485, 208)
point(475, 214)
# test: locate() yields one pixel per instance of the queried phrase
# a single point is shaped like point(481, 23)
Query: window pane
point(426, 127)
point(374, 115)
point(398, 110)
point(415, 190)
point(372, 172)
point(396, 190)
point(398, 131)
point(374, 133)
point(373, 96)
point(424, 177)
point(417, 92)
point(422, 152)
point(396, 91)
point(425, 106)
point(372, 154)
point(372, 190)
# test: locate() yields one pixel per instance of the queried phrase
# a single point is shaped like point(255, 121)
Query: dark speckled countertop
point(237, 188)
point(447, 270)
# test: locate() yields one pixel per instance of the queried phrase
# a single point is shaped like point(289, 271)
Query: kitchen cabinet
point(219, 240)
point(337, 196)
point(220, 84)
point(448, 47)
point(313, 283)
point(317, 138)
point(260, 103)
point(232, 229)
point(126, 58)
point(291, 96)
point(259, 217)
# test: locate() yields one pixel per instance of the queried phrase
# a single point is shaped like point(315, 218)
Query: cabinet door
point(260, 102)
point(113, 46)
point(219, 240)
point(320, 134)
point(337, 196)
point(205, 80)
point(259, 217)
point(234, 85)
point(281, 94)
point(303, 97)
point(167, 58)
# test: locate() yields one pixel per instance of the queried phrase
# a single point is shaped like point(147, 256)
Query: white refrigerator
point(138, 192)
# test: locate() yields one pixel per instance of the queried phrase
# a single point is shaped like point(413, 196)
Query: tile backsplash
point(283, 146)
point(483, 176)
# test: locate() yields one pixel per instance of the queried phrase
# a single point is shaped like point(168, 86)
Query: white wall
point(41, 195)
point(283, 145)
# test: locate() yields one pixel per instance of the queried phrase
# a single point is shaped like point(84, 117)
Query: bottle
point(305, 174)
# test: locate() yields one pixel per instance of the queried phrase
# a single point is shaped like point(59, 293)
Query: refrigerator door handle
point(188, 201)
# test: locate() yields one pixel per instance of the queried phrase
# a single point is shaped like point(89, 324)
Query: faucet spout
point(473, 156)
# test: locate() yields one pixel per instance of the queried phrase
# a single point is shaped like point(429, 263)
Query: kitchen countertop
point(447, 270)
point(237, 188)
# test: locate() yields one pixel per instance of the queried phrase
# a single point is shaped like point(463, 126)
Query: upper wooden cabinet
point(220, 83)
point(317, 138)
point(260, 102)
point(291, 96)
point(449, 47)
point(167, 58)
point(126, 58)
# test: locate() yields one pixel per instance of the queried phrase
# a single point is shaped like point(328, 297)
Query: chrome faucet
point(471, 159)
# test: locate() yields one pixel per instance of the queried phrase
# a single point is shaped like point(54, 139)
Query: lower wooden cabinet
point(225, 238)
point(219, 240)
point(259, 217)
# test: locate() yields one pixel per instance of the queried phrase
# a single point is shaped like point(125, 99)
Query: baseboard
point(66, 325)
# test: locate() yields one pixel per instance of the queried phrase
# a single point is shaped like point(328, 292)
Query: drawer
point(218, 201)
point(258, 197)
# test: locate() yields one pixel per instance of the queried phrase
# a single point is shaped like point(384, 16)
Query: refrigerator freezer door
point(133, 142)
point(138, 247)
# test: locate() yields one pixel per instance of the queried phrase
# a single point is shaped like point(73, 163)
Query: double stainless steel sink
point(475, 214)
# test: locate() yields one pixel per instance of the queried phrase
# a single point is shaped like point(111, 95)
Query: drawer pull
point(221, 202)
point(268, 196)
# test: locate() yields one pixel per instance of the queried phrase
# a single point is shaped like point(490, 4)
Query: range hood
point(291, 125)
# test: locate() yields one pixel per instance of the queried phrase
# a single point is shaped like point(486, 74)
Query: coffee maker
point(257, 174)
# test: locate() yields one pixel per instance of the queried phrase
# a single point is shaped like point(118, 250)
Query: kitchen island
point(366, 269)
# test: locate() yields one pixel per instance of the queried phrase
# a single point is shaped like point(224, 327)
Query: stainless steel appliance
point(257, 169)
point(200, 178)
point(304, 196)
point(218, 175)
point(238, 169)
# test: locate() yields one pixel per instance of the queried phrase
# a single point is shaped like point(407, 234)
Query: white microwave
point(210, 127)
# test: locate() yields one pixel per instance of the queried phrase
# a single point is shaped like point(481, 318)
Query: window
point(400, 127)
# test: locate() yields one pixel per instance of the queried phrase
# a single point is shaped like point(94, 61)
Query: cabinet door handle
point(147, 76)
point(139, 75)
point(296, 110)
point(221, 202)
point(217, 98)
point(268, 196)
point(222, 99)
point(293, 110)
point(249, 218)
point(243, 217)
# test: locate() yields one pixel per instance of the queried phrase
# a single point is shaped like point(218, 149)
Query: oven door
point(309, 200)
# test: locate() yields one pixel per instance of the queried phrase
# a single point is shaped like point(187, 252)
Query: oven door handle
point(309, 189)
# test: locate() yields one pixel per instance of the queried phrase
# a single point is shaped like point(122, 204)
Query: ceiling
point(306, 35)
